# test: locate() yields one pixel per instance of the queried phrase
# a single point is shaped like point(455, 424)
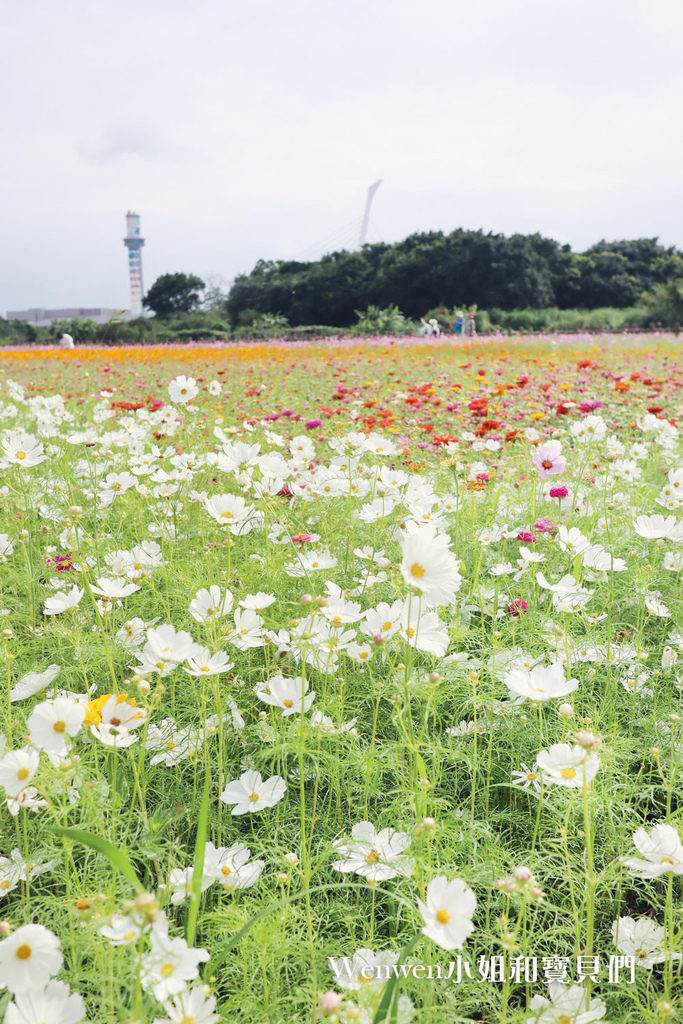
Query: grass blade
point(391, 989)
point(115, 857)
point(198, 862)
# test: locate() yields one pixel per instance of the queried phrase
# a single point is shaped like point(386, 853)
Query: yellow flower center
point(442, 916)
point(417, 570)
point(411, 632)
point(21, 455)
point(225, 870)
point(204, 668)
point(386, 626)
point(564, 1018)
point(167, 970)
point(568, 773)
point(24, 951)
point(254, 797)
point(59, 726)
point(22, 774)
point(4, 884)
point(129, 935)
point(227, 515)
point(373, 856)
point(666, 860)
point(288, 703)
point(532, 776)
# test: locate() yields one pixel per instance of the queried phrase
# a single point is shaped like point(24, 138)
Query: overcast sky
point(247, 129)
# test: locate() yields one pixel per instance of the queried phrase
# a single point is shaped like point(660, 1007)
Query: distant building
point(45, 317)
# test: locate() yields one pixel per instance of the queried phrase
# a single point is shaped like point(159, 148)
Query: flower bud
point(434, 677)
point(565, 710)
point(74, 510)
point(523, 873)
point(291, 860)
point(588, 740)
point(306, 599)
point(429, 824)
point(330, 1001)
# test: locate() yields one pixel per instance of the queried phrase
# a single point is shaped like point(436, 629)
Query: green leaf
point(392, 990)
point(115, 857)
point(198, 862)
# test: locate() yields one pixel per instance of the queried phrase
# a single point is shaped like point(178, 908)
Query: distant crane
point(366, 215)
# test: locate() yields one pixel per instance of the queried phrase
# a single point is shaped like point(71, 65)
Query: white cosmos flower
point(170, 964)
point(447, 912)
point(180, 884)
point(33, 682)
point(53, 1004)
point(248, 631)
point(193, 1006)
point(657, 527)
point(52, 721)
point(63, 602)
point(423, 631)
point(21, 449)
point(591, 428)
point(183, 389)
point(206, 664)
point(210, 604)
point(121, 930)
point(257, 602)
point(250, 793)
point(374, 855)
point(289, 694)
point(28, 958)
point(657, 608)
point(543, 682)
point(643, 939)
point(567, 766)
point(363, 970)
point(428, 564)
point(17, 768)
point(567, 1005)
point(167, 644)
point(113, 589)
point(231, 867)
point(661, 852)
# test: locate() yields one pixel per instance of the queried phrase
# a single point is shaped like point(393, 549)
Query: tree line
point(468, 268)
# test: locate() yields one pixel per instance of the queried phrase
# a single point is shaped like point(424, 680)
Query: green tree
point(174, 293)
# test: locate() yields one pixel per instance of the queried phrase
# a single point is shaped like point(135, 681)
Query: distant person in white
point(66, 341)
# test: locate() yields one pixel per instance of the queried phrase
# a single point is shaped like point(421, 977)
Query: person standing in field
point(471, 326)
point(66, 341)
point(459, 325)
point(434, 324)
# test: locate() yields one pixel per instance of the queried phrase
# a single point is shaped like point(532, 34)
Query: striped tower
point(134, 244)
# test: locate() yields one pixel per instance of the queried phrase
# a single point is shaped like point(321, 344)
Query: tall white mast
point(366, 215)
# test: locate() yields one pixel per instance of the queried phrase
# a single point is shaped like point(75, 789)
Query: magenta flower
point(313, 424)
point(527, 536)
point(559, 492)
point(517, 607)
point(548, 461)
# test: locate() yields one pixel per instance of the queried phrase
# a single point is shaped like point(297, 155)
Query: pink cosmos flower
point(548, 461)
point(559, 492)
point(527, 537)
point(543, 524)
